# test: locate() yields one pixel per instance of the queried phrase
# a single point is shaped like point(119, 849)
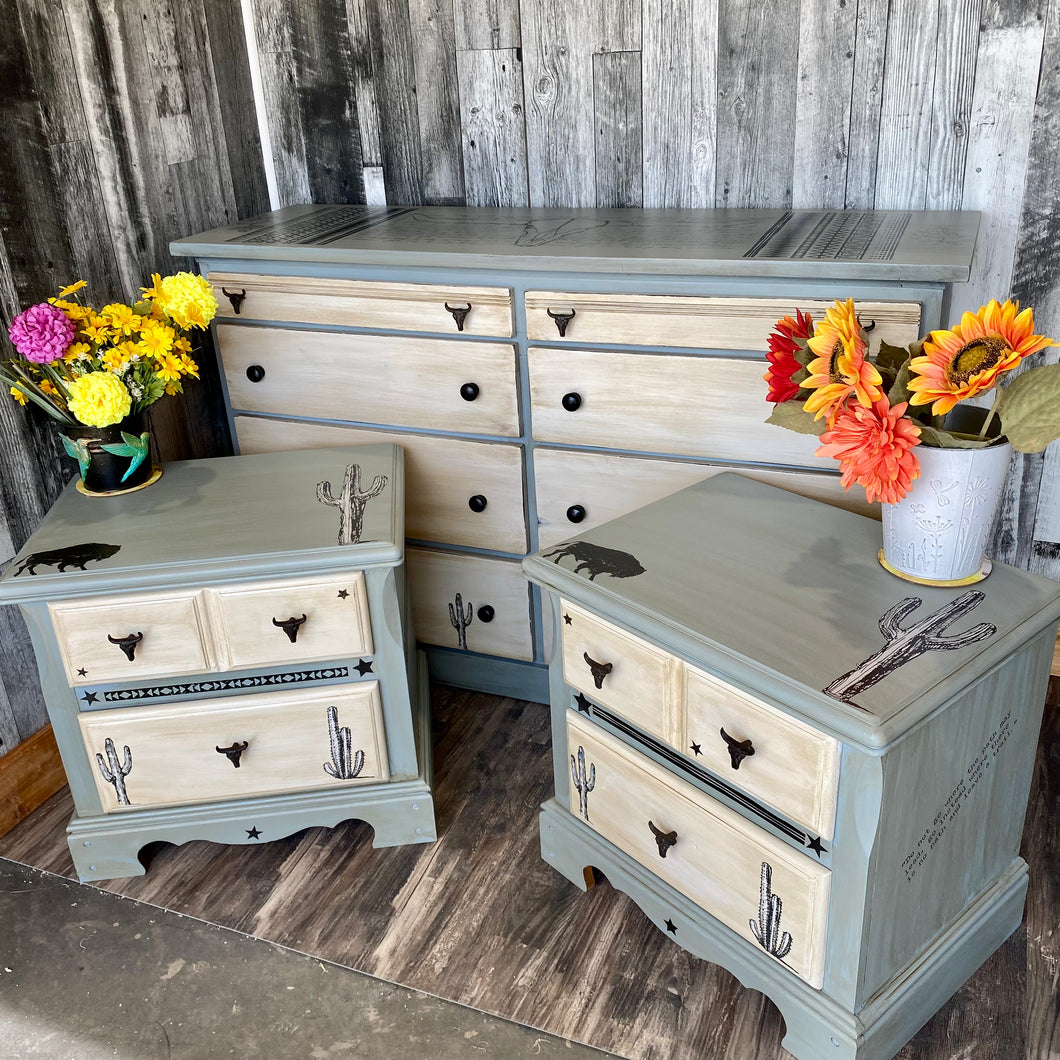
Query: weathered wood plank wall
point(135, 125)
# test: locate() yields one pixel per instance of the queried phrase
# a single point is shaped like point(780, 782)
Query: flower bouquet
point(95, 371)
point(886, 413)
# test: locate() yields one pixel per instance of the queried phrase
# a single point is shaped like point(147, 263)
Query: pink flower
point(42, 333)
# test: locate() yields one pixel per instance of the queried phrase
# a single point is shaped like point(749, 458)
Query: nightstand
point(226, 655)
point(797, 765)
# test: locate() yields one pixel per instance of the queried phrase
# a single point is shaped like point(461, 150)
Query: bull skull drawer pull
point(127, 643)
point(665, 840)
point(599, 670)
point(460, 313)
point(738, 749)
point(290, 626)
point(232, 753)
point(562, 320)
point(235, 297)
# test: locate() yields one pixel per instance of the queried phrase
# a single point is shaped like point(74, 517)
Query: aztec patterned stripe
point(833, 236)
point(224, 684)
point(320, 228)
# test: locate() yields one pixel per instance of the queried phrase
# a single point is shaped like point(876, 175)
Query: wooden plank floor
point(480, 919)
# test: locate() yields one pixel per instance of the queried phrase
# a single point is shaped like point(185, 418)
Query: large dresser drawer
point(681, 404)
point(473, 602)
point(269, 624)
point(439, 384)
point(457, 492)
point(714, 323)
point(129, 637)
point(577, 491)
point(765, 891)
point(186, 753)
point(365, 303)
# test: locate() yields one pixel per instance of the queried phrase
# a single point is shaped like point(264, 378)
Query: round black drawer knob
point(575, 513)
point(477, 503)
point(469, 391)
point(255, 373)
point(572, 402)
point(485, 613)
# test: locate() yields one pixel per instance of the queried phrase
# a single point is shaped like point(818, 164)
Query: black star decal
point(82, 672)
point(253, 833)
point(582, 703)
point(671, 926)
point(91, 697)
point(343, 593)
point(815, 845)
point(696, 749)
point(567, 619)
point(363, 667)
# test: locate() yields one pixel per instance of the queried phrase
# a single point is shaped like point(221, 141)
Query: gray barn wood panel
point(667, 55)
point(703, 153)
point(493, 140)
point(486, 25)
point(618, 103)
point(866, 100)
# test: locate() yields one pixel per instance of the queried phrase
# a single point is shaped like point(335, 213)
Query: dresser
point(545, 370)
point(226, 655)
point(797, 765)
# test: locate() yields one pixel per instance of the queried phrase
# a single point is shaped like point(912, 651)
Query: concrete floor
point(85, 975)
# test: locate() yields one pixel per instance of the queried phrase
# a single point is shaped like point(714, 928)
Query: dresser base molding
point(817, 1027)
point(488, 673)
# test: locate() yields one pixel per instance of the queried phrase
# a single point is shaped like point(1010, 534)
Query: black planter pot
point(112, 460)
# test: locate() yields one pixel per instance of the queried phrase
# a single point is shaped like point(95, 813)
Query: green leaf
point(941, 439)
point(891, 359)
point(1029, 409)
point(794, 417)
point(900, 391)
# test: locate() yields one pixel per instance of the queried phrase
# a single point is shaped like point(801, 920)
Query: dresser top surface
point(210, 520)
point(848, 244)
point(786, 593)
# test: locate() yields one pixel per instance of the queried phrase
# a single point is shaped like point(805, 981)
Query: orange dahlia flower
point(968, 359)
point(783, 345)
point(874, 448)
point(840, 369)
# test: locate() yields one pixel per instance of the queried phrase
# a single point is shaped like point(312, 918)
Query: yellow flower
point(121, 318)
point(155, 338)
point(168, 369)
point(155, 290)
point(117, 357)
point(187, 300)
point(48, 387)
point(97, 330)
point(76, 286)
point(18, 395)
point(840, 369)
point(76, 350)
point(99, 399)
point(189, 367)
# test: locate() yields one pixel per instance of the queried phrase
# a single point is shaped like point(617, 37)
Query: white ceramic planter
point(938, 531)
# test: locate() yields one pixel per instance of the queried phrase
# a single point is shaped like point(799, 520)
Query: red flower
point(783, 345)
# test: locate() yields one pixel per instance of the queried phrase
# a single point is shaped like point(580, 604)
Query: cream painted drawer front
point(718, 323)
point(620, 671)
point(391, 379)
point(366, 304)
point(450, 597)
point(328, 619)
point(722, 862)
point(794, 767)
point(600, 487)
point(167, 755)
point(686, 405)
point(446, 479)
point(166, 635)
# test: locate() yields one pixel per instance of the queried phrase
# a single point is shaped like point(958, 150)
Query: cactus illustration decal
point(115, 773)
point(343, 764)
point(904, 645)
point(351, 502)
point(461, 620)
point(767, 930)
point(584, 782)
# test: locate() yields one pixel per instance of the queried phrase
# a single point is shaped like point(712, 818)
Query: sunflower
point(783, 345)
point(969, 359)
point(840, 369)
point(874, 448)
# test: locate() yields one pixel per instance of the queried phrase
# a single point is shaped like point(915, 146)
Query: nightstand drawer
point(473, 602)
point(439, 384)
point(793, 767)
point(620, 671)
point(366, 304)
point(718, 323)
point(664, 403)
point(126, 638)
point(268, 624)
point(722, 862)
point(312, 738)
point(457, 492)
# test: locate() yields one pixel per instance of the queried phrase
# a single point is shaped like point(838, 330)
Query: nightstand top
point(854, 244)
point(208, 520)
point(784, 595)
